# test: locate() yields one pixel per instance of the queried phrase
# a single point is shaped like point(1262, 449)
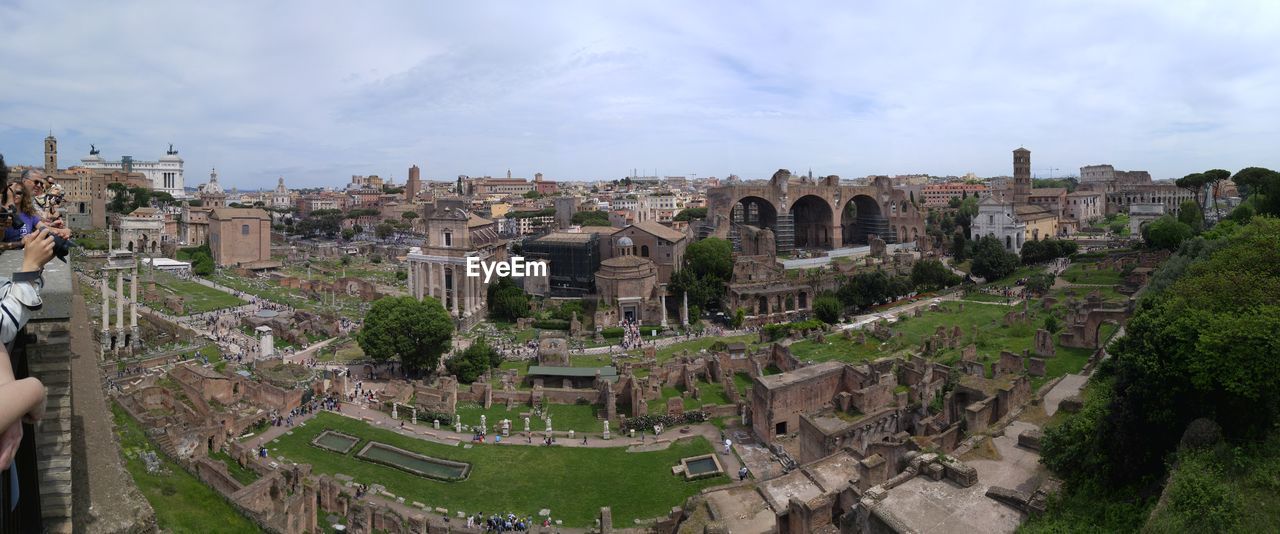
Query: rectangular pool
point(417, 464)
point(335, 441)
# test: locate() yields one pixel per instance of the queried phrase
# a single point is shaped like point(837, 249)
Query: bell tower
point(50, 154)
point(1021, 176)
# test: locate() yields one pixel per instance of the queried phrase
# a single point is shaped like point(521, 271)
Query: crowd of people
point(503, 523)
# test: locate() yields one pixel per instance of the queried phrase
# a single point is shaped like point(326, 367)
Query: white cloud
point(317, 91)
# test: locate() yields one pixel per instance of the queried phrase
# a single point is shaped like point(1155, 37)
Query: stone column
point(663, 300)
point(133, 301)
point(120, 300)
point(106, 306)
point(456, 293)
point(684, 310)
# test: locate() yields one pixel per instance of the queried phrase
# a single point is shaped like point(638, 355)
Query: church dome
point(211, 187)
point(626, 242)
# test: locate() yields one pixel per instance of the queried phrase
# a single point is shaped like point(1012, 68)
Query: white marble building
point(997, 219)
point(165, 174)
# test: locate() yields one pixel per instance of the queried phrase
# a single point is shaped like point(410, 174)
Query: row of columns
point(463, 299)
point(120, 299)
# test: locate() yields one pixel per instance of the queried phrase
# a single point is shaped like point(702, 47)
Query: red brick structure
point(239, 236)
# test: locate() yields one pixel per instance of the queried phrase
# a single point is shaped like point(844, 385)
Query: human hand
point(9, 442)
point(37, 250)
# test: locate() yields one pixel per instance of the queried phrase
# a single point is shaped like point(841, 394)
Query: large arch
point(754, 211)
point(813, 221)
point(860, 216)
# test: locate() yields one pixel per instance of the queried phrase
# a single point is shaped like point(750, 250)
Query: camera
point(61, 246)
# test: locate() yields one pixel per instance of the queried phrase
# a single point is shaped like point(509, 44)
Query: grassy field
point(695, 345)
point(1078, 274)
point(348, 306)
point(711, 394)
point(981, 324)
point(572, 483)
point(182, 503)
point(200, 298)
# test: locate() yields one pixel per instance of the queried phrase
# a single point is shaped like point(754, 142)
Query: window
point(447, 237)
point(244, 229)
point(644, 250)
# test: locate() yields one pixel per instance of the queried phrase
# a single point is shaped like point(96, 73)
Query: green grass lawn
point(182, 503)
point(1077, 274)
point(986, 297)
point(200, 298)
point(573, 483)
point(711, 394)
point(980, 324)
point(695, 345)
point(242, 475)
point(1019, 273)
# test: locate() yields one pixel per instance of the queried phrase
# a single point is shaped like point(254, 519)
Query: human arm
point(21, 293)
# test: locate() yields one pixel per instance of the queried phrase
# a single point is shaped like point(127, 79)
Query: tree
point(532, 194)
point(474, 362)
point(708, 266)
point(195, 203)
point(1262, 187)
point(202, 264)
point(409, 215)
point(1043, 250)
point(507, 302)
point(1195, 183)
point(928, 275)
point(1039, 283)
point(827, 308)
point(1165, 233)
point(991, 261)
point(416, 332)
point(383, 230)
point(1052, 324)
point(710, 257)
point(689, 214)
point(348, 234)
point(591, 218)
point(1189, 214)
point(1200, 345)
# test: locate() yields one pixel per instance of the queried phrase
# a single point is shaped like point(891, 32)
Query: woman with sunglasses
point(16, 199)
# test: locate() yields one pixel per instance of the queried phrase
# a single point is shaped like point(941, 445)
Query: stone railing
point(43, 349)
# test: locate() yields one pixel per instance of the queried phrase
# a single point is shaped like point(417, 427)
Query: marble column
point(662, 299)
point(106, 306)
point(133, 301)
point(453, 286)
point(120, 300)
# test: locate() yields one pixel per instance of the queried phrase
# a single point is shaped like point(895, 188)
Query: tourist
point(742, 473)
point(727, 444)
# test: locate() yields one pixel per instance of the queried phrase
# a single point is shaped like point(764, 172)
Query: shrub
point(612, 332)
point(551, 324)
point(647, 422)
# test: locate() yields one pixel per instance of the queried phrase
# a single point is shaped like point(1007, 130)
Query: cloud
point(317, 91)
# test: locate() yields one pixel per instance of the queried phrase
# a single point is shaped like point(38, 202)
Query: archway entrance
point(812, 216)
point(861, 216)
point(755, 211)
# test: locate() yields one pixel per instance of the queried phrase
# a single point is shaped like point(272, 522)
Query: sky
point(317, 91)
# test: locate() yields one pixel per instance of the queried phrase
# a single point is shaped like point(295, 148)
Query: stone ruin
point(878, 246)
point(553, 351)
point(1044, 346)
